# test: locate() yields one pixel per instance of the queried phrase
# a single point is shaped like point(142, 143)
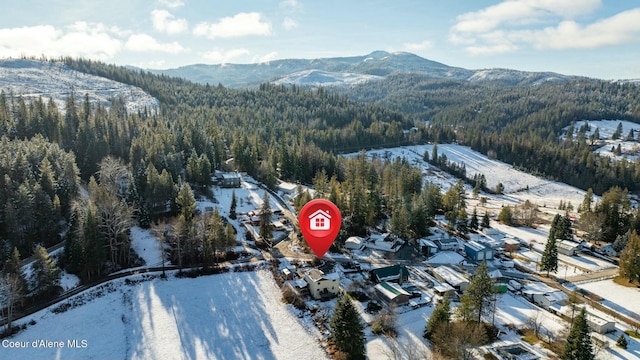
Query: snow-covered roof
point(556, 296)
point(451, 276)
point(445, 257)
point(317, 275)
point(537, 287)
point(390, 290)
point(428, 243)
point(474, 245)
point(567, 244)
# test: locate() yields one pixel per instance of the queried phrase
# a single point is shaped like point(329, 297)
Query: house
point(354, 243)
point(478, 252)
point(447, 244)
point(320, 220)
point(392, 293)
point(288, 188)
point(597, 323)
point(322, 286)
point(395, 273)
point(544, 295)
point(384, 242)
point(445, 258)
point(228, 179)
point(608, 250)
point(427, 247)
point(567, 247)
point(451, 277)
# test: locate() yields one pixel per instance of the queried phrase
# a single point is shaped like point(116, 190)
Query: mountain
point(49, 79)
point(347, 71)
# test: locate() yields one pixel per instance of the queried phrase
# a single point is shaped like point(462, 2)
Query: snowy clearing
point(619, 298)
point(226, 316)
point(52, 80)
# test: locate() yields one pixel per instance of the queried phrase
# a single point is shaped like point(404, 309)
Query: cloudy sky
point(596, 38)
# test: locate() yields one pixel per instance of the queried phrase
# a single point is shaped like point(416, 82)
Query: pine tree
point(265, 219)
point(630, 259)
point(45, 271)
point(233, 206)
point(13, 267)
point(477, 296)
point(578, 346)
point(186, 202)
point(485, 221)
point(441, 315)
point(549, 260)
point(347, 332)
point(473, 222)
point(622, 341)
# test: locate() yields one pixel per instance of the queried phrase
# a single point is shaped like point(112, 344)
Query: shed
point(427, 247)
point(451, 277)
point(567, 247)
point(395, 273)
point(392, 293)
point(511, 245)
point(478, 252)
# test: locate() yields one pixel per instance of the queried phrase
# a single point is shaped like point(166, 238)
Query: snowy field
point(226, 316)
point(620, 298)
point(518, 185)
point(606, 128)
point(33, 79)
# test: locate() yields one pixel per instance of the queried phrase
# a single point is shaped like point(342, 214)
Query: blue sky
point(593, 38)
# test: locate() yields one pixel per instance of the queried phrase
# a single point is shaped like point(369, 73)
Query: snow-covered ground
point(53, 80)
point(147, 246)
point(226, 316)
point(630, 148)
point(625, 300)
point(518, 185)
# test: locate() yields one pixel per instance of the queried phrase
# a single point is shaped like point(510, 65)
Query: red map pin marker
point(320, 223)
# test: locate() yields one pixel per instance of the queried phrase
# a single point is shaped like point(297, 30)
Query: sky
point(594, 38)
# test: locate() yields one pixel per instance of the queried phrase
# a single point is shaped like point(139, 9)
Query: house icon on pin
point(320, 220)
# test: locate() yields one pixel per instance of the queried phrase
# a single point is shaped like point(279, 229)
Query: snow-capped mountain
point(51, 79)
point(342, 71)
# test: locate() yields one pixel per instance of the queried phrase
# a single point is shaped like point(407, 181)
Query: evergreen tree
point(347, 332)
point(186, 202)
point(617, 133)
point(578, 346)
point(473, 222)
point(549, 259)
point(622, 341)
point(266, 232)
point(630, 259)
point(233, 206)
point(506, 215)
point(485, 221)
point(441, 315)
point(45, 272)
point(13, 267)
point(477, 296)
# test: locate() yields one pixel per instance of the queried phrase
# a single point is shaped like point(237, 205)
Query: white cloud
point(522, 12)
point(241, 24)
point(288, 23)
point(165, 22)
point(421, 46)
point(83, 39)
point(266, 58)
point(145, 43)
point(291, 4)
point(171, 3)
point(220, 56)
point(542, 24)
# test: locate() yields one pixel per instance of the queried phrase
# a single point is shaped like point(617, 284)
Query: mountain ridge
point(377, 64)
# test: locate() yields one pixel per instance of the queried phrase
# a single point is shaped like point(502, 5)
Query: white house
point(354, 243)
point(544, 295)
point(608, 250)
point(451, 277)
point(321, 285)
point(320, 220)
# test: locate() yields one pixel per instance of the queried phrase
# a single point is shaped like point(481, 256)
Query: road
point(594, 275)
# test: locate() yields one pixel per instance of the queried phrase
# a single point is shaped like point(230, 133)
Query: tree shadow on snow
point(215, 317)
